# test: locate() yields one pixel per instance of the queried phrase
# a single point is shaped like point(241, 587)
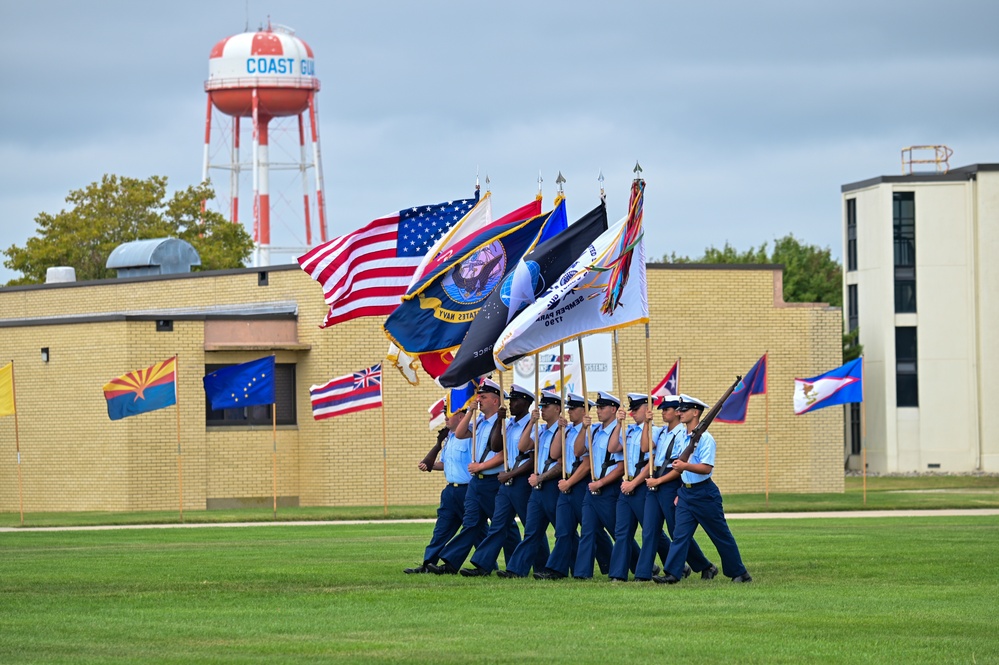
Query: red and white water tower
point(265, 75)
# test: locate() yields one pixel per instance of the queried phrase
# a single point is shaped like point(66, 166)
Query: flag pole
point(176, 408)
point(537, 398)
point(649, 406)
point(863, 426)
point(620, 391)
point(766, 445)
point(503, 425)
point(274, 453)
point(586, 402)
point(381, 389)
point(17, 443)
point(561, 395)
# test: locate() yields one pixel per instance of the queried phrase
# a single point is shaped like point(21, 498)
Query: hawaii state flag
point(143, 390)
point(842, 385)
point(670, 385)
point(350, 393)
point(754, 383)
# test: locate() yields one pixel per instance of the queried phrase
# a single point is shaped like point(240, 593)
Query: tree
point(119, 209)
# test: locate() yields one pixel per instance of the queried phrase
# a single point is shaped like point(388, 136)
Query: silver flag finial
point(560, 180)
point(600, 179)
point(540, 180)
point(487, 182)
point(638, 169)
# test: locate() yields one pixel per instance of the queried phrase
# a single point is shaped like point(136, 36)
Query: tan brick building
point(74, 458)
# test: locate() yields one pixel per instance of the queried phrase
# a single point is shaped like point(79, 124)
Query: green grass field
point(865, 590)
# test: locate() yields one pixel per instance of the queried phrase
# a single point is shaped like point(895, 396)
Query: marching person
point(631, 501)
point(514, 490)
point(660, 500)
point(699, 503)
point(600, 504)
point(541, 506)
point(455, 456)
point(480, 496)
point(569, 509)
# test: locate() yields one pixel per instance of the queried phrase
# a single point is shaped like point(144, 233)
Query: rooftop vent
point(60, 275)
point(160, 256)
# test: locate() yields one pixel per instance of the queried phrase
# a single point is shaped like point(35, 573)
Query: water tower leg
point(317, 158)
point(303, 167)
point(208, 140)
point(234, 173)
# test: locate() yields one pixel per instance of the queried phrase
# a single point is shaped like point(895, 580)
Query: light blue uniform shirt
point(483, 426)
point(569, 447)
point(634, 438)
point(662, 437)
point(514, 428)
point(704, 453)
point(547, 435)
point(601, 437)
point(456, 456)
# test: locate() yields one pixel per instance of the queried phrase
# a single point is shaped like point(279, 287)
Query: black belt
point(483, 476)
point(689, 485)
point(457, 484)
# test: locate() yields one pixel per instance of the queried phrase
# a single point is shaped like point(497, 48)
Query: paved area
point(731, 516)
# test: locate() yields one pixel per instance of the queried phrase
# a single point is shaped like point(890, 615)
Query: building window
point(904, 235)
point(852, 308)
point(906, 367)
point(851, 234)
point(284, 395)
point(855, 442)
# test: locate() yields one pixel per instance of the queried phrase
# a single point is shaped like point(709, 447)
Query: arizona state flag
point(143, 390)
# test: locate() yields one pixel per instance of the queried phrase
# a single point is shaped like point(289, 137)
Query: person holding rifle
point(660, 500)
point(572, 488)
point(455, 456)
point(699, 503)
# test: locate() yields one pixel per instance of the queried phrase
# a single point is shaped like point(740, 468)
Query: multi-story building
point(922, 284)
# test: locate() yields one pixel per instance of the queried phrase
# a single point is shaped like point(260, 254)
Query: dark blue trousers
point(599, 514)
point(568, 516)
point(449, 516)
point(533, 549)
point(630, 511)
point(659, 507)
point(511, 502)
point(480, 500)
point(701, 505)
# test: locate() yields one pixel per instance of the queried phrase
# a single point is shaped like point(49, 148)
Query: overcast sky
point(746, 117)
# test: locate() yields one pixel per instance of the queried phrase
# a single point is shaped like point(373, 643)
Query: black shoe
point(549, 575)
point(618, 579)
point(665, 579)
point(642, 579)
point(507, 574)
point(656, 569)
point(709, 573)
point(745, 577)
point(443, 569)
point(475, 572)
point(419, 569)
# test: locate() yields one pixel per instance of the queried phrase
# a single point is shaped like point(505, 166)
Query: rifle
point(431, 456)
point(702, 426)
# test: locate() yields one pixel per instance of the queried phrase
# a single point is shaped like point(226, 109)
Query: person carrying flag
point(455, 456)
point(699, 503)
point(660, 500)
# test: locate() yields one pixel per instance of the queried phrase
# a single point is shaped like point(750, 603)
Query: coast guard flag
point(754, 383)
point(350, 393)
point(149, 389)
point(364, 273)
point(234, 387)
point(843, 385)
point(670, 385)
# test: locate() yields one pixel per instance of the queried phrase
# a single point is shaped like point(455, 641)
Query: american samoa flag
point(348, 394)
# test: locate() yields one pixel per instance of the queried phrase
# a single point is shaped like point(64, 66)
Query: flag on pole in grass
point(143, 390)
point(842, 385)
point(670, 385)
point(366, 272)
point(350, 393)
point(754, 383)
point(7, 390)
point(236, 386)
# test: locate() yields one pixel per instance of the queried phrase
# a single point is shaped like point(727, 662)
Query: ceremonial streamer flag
point(364, 273)
point(434, 317)
point(7, 390)
point(350, 393)
point(842, 385)
point(531, 277)
point(670, 385)
point(574, 305)
point(143, 390)
point(754, 383)
point(236, 386)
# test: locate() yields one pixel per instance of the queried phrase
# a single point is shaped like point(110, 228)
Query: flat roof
point(958, 174)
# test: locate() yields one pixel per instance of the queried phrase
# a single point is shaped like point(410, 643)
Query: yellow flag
point(7, 390)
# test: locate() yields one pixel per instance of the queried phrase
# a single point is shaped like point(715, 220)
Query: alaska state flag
point(754, 383)
point(143, 390)
point(843, 385)
point(249, 384)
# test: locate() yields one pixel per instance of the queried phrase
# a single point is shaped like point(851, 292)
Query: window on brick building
point(904, 240)
point(284, 395)
point(906, 367)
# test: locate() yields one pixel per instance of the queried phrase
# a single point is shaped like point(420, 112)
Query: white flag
point(571, 307)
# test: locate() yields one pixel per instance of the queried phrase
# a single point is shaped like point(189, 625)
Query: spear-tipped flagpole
point(487, 184)
point(561, 394)
point(540, 180)
point(600, 179)
point(560, 181)
point(586, 405)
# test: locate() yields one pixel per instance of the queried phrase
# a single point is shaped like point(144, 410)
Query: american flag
point(365, 273)
point(348, 394)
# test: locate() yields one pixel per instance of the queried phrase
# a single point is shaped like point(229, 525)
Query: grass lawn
point(876, 590)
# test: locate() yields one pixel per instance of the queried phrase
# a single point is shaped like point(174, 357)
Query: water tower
point(265, 75)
